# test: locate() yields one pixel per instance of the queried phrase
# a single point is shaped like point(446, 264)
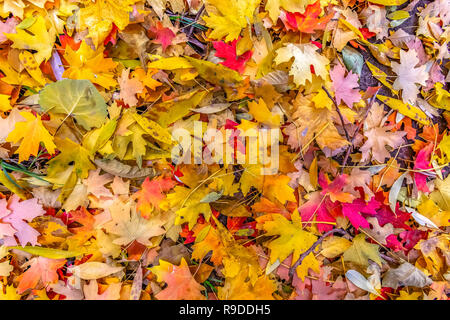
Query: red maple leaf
point(228, 52)
point(164, 36)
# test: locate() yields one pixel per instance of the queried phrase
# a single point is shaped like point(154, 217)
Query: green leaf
point(26, 23)
point(77, 98)
point(211, 197)
point(398, 15)
point(48, 252)
point(388, 2)
point(353, 60)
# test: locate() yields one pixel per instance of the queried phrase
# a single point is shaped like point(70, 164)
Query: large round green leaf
point(77, 98)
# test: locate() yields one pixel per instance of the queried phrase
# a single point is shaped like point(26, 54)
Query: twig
point(307, 252)
point(338, 111)
point(357, 130)
point(387, 258)
point(197, 16)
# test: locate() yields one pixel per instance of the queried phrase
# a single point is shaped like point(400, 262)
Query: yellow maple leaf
point(89, 64)
point(240, 289)
point(236, 259)
point(277, 187)
point(32, 132)
point(361, 251)
point(98, 16)
point(72, 163)
point(36, 37)
point(321, 100)
point(5, 104)
point(262, 114)
point(188, 204)
point(292, 238)
point(431, 249)
point(228, 18)
point(9, 294)
point(404, 295)
point(430, 210)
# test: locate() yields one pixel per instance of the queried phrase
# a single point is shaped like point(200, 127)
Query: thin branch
point(197, 16)
point(338, 111)
point(357, 130)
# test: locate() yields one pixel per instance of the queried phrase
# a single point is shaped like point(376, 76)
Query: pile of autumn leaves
point(92, 207)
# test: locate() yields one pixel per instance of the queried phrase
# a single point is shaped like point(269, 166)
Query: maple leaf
point(181, 285)
point(100, 15)
point(9, 293)
point(228, 19)
point(95, 183)
point(164, 36)
point(353, 211)
point(423, 162)
point(361, 251)
point(41, 269)
point(214, 242)
point(22, 211)
point(309, 122)
point(236, 259)
point(292, 238)
point(307, 22)
point(190, 205)
point(129, 88)
point(379, 233)
point(228, 52)
point(36, 37)
point(152, 193)
point(32, 132)
point(343, 85)
point(129, 225)
point(386, 215)
point(112, 292)
point(239, 289)
point(334, 246)
point(317, 207)
point(262, 114)
point(408, 75)
point(9, 26)
point(379, 137)
point(88, 64)
point(430, 210)
point(305, 56)
point(5, 228)
point(72, 163)
point(274, 7)
point(276, 187)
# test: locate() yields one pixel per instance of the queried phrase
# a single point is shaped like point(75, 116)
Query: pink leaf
point(344, 86)
point(22, 211)
point(422, 162)
point(9, 26)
